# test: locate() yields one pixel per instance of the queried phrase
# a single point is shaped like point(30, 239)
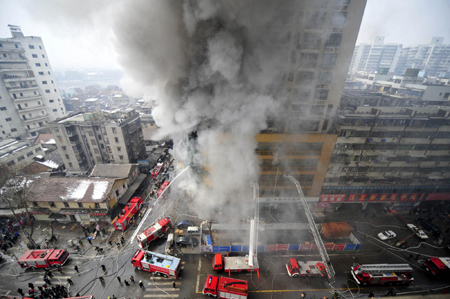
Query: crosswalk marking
point(160, 296)
point(165, 283)
point(156, 289)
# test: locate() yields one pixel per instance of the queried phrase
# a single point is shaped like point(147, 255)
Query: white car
point(387, 235)
point(412, 227)
point(421, 234)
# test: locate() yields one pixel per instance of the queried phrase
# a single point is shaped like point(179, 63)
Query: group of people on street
point(45, 291)
point(8, 238)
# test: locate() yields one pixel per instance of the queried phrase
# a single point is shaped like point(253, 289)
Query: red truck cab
point(224, 287)
point(217, 262)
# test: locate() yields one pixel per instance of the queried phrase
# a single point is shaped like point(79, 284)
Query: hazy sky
point(78, 34)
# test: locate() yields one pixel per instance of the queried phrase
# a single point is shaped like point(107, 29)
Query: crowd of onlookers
point(9, 235)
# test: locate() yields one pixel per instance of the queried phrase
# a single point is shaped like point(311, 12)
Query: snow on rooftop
point(99, 189)
point(51, 141)
point(50, 164)
point(79, 191)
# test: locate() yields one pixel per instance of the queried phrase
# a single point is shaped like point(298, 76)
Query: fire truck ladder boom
point(315, 232)
point(381, 268)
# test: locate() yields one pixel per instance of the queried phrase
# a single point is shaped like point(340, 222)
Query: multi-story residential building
point(28, 93)
point(17, 154)
point(393, 144)
point(86, 139)
point(317, 39)
point(375, 56)
point(432, 58)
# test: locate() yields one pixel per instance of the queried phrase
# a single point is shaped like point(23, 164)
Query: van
point(169, 242)
point(193, 230)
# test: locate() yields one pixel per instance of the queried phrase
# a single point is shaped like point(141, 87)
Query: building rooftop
point(44, 138)
point(111, 170)
point(9, 146)
point(71, 189)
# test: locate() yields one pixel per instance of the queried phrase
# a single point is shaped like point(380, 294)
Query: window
point(13, 130)
point(316, 20)
point(40, 47)
point(97, 205)
point(20, 158)
point(35, 204)
point(338, 19)
point(4, 55)
point(31, 46)
point(114, 130)
point(305, 78)
point(80, 205)
point(49, 73)
point(34, 55)
point(43, 56)
point(90, 133)
point(119, 149)
point(51, 101)
point(44, 82)
point(52, 81)
point(329, 59)
point(67, 156)
point(8, 119)
point(1, 45)
point(46, 64)
point(39, 103)
point(64, 148)
point(120, 157)
point(38, 64)
point(96, 150)
point(325, 77)
point(17, 46)
point(41, 73)
point(51, 204)
point(312, 41)
point(321, 94)
point(55, 110)
point(11, 163)
point(37, 150)
point(2, 108)
point(29, 154)
point(99, 159)
point(329, 108)
point(54, 90)
point(47, 91)
point(93, 142)
point(66, 204)
point(325, 125)
point(317, 110)
point(116, 139)
point(70, 165)
point(334, 40)
point(308, 60)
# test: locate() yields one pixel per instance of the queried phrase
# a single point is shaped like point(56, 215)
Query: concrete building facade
point(393, 144)
point(317, 38)
point(28, 93)
point(372, 57)
point(16, 154)
point(432, 58)
point(86, 139)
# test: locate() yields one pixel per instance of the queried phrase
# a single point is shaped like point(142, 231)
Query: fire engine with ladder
point(225, 287)
point(157, 170)
point(122, 221)
point(438, 265)
point(157, 230)
point(295, 268)
point(382, 274)
point(160, 264)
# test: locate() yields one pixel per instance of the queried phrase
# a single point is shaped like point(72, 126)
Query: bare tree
point(15, 191)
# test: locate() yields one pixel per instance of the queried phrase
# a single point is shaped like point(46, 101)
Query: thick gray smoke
point(212, 68)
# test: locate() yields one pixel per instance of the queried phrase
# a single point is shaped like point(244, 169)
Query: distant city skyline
point(79, 34)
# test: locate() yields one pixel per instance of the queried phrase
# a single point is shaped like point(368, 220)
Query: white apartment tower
point(29, 97)
point(372, 57)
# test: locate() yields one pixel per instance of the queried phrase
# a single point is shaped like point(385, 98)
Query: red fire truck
point(161, 190)
point(43, 258)
point(298, 268)
point(225, 287)
point(157, 170)
point(438, 265)
point(234, 264)
point(160, 264)
point(382, 274)
point(132, 208)
point(153, 232)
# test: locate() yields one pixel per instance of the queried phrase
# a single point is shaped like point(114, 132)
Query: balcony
point(18, 59)
point(33, 97)
point(13, 50)
point(22, 87)
point(15, 69)
point(35, 118)
point(26, 109)
point(15, 78)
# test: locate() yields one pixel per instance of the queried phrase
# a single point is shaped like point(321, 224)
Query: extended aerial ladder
point(382, 268)
point(320, 246)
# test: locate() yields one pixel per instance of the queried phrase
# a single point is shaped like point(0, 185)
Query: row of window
point(32, 47)
point(20, 158)
point(42, 73)
point(38, 64)
point(66, 204)
point(35, 55)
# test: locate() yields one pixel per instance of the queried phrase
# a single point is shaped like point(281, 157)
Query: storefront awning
point(39, 211)
point(56, 216)
point(8, 212)
point(95, 212)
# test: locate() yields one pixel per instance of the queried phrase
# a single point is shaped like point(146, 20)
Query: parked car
point(412, 227)
point(185, 224)
point(421, 234)
point(186, 241)
point(429, 226)
point(386, 235)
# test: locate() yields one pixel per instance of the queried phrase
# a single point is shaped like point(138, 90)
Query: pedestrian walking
point(303, 295)
point(78, 248)
point(89, 240)
point(103, 268)
point(174, 285)
point(60, 270)
point(113, 297)
point(141, 285)
point(131, 278)
point(20, 291)
point(70, 281)
point(126, 282)
point(417, 257)
point(86, 234)
point(80, 242)
point(410, 256)
point(47, 281)
point(365, 236)
point(110, 243)
point(102, 280)
point(371, 294)
point(76, 269)
point(30, 285)
point(120, 280)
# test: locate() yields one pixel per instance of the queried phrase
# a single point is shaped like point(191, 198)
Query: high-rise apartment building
point(317, 39)
point(29, 97)
point(86, 139)
point(374, 56)
point(432, 58)
point(394, 142)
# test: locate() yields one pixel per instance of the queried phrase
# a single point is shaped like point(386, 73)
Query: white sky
point(77, 33)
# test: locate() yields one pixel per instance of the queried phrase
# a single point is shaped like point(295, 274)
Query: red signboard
point(323, 204)
point(403, 197)
point(339, 247)
point(352, 197)
point(332, 197)
point(282, 247)
point(271, 248)
point(438, 196)
point(373, 197)
point(393, 197)
point(383, 197)
point(362, 197)
point(329, 246)
point(305, 246)
point(422, 196)
point(413, 197)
